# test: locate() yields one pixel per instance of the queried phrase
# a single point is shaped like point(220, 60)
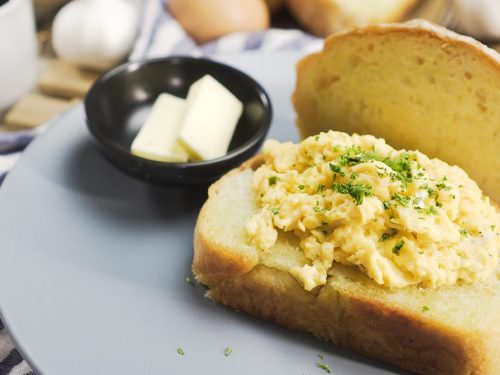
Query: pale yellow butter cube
point(211, 115)
point(157, 139)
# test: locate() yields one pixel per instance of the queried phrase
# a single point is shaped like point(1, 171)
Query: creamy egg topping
point(398, 216)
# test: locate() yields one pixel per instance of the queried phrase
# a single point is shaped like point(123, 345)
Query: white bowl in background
point(18, 51)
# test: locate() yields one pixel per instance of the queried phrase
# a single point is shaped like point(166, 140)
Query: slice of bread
point(417, 85)
point(322, 17)
point(452, 330)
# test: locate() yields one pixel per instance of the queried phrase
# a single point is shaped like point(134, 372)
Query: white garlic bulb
point(95, 33)
point(478, 18)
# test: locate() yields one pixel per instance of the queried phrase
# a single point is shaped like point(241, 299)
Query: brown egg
point(205, 20)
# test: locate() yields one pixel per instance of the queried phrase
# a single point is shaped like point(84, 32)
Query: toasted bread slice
point(452, 330)
point(417, 85)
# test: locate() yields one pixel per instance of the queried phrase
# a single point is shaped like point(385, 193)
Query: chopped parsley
point(228, 351)
point(301, 187)
point(320, 188)
point(180, 351)
point(354, 155)
point(386, 204)
point(400, 199)
point(321, 356)
point(397, 248)
point(425, 308)
point(336, 169)
point(273, 180)
point(464, 232)
point(401, 167)
point(275, 211)
point(324, 367)
point(443, 186)
point(492, 227)
point(316, 138)
point(430, 210)
point(385, 236)
point(318, 209)
point(417, 201)
point(380, 171)
point(430, 191)
point(358, 191)
point(354, 175)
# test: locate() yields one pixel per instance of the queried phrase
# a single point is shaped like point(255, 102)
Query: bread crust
point(422, 27)
point(366, 326)
point(213, 262)
point(413, 27)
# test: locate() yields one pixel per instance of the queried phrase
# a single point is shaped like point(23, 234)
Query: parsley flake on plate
point(324, 367)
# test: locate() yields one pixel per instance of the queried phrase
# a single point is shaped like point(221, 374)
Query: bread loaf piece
point(417, 85)
point(451, 330)
point(322, 17)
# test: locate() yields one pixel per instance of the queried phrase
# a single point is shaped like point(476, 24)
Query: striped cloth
point(159, 35)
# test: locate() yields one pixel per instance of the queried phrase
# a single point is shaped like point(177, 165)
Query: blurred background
point(51, 63)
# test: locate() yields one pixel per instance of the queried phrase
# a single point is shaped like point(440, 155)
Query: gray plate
point(93, 265)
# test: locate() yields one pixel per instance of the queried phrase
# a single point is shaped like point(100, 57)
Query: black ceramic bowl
point(119, 102)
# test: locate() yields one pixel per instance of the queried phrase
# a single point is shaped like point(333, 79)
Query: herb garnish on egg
point(358, 191)
point(272, 180)
point(397, 248)
point(398, 216)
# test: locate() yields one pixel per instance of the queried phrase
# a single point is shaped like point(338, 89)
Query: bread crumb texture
point(398, 216)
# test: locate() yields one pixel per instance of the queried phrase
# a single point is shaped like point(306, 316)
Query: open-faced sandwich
point(384, 251)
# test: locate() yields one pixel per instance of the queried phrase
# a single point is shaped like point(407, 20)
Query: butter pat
point(211, 115)
point(157, 139)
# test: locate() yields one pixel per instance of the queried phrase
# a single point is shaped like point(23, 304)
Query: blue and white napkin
point(159, 35)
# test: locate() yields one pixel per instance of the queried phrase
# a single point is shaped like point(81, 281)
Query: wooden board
point(34, 109)
point(65, 80)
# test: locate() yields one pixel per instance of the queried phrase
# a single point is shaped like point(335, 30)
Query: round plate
point(94, 265)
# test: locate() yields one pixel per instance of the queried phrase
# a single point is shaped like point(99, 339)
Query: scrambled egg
point(398, 216)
